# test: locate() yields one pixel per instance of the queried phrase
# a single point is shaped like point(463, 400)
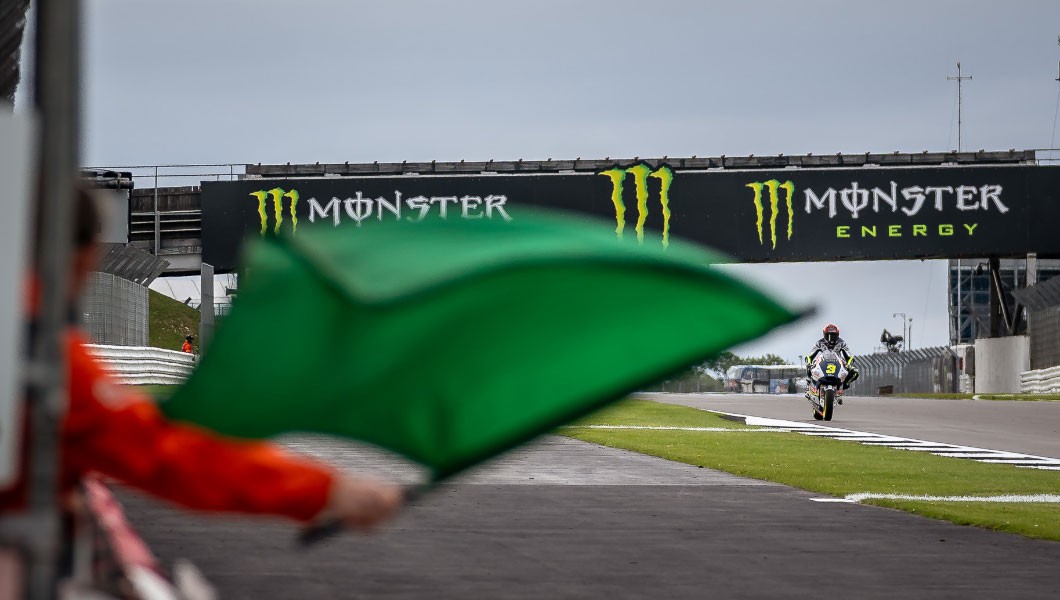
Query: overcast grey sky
point(342, 80)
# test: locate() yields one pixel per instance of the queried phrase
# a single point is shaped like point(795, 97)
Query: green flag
point(452, 341)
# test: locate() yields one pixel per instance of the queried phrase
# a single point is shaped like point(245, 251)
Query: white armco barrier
point(142, 365)
point(1042, 381)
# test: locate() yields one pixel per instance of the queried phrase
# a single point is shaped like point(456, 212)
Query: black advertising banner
point(788, 215)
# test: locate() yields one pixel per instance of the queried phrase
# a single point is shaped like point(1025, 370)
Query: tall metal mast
point(960, 80)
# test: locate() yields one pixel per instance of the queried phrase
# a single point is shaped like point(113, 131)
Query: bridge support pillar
point(205, 305)
point(998, 308)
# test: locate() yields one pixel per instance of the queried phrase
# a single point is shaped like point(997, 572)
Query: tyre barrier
point(1040, 381)
point(144, 365)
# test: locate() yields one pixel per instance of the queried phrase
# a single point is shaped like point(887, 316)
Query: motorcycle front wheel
point(828, 404)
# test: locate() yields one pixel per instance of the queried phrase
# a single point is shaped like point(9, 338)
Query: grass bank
point(159, 392)
point(832, 467)
point(169, 321)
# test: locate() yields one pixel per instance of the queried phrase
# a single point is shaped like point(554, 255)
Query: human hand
point(361, 503)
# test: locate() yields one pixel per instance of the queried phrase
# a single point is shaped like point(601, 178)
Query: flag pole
point(322, 531)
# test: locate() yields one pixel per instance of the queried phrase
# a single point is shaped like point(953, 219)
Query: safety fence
point(143, 365)
point(1044, 329)
point(1040, 381)
point(924, 371)
point(115, 310)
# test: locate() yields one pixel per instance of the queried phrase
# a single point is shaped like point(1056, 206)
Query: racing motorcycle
point(825, 389)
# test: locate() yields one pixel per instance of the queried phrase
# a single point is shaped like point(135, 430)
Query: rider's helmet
point(831, 335)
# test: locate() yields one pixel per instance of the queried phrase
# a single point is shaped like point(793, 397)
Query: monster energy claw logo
point(774, 187)
point(276, 195)
point(641, 173)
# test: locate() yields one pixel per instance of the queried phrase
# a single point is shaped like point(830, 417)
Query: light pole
point(905, 331)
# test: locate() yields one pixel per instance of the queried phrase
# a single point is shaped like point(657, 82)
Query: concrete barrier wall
point(999, 363)
point(144, 365)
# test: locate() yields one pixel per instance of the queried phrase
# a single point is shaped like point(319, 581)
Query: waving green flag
point(451, 342)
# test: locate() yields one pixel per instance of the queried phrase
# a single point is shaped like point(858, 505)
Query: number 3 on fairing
point(830, 370)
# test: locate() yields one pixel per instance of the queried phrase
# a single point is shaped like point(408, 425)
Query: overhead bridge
point(174, 224)
point(989, 207)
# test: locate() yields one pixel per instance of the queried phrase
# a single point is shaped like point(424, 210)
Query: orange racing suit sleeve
point(116, 431)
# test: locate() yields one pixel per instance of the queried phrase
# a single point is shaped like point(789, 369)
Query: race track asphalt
point(567, 519)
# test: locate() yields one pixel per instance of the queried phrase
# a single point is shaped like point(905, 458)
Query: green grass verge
point(158, 392)
point(833, 467)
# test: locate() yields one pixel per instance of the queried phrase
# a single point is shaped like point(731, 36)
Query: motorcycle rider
point(832, 341)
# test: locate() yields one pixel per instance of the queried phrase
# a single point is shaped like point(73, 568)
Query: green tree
point(723, 361)
point(768, 359)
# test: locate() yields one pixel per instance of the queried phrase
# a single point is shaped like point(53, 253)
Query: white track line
point(984, 455)
point(873, 439)
point(760, 424)
point(1007, 498)
point(663, 428)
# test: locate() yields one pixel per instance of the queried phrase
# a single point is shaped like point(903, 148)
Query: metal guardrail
point(1041, 381)
point(111, 560)
point(144, 365)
